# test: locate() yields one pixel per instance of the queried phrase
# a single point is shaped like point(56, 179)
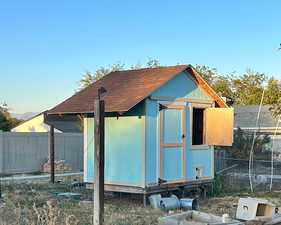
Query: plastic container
point(155, 201)
point(189, 203)
point(171, 203)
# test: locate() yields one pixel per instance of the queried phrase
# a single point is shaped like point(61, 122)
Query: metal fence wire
point(232, 174)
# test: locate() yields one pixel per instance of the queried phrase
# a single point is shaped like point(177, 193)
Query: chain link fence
point(232, 174)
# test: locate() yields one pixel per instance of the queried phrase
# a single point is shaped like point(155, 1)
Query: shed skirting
point(134, 189)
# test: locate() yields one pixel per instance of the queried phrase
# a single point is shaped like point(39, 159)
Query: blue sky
point(45, 46)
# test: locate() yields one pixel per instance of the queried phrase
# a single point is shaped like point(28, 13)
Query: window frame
point(198, 106)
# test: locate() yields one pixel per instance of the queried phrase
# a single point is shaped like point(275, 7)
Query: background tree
point(242, 144)
point(248, 88)
point(6, 121)
point(222, 84)
point(245, 89)
point(276, 108)
point(276, 105)
point(209, 74)
point(273, 96)
point(89, 77)
point(152, 63)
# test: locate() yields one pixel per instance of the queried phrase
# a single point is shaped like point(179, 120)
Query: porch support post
point(99, 163)
point(144, 200)
point(52, 153)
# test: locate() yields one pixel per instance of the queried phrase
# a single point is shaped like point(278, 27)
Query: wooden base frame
point(161, 188)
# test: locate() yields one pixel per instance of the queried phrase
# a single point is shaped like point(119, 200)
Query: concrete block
point(253, 208)
point(198, 218)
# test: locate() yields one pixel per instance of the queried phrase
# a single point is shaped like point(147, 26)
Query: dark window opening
point(198, 126)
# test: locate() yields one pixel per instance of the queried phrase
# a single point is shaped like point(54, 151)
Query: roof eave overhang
point(86, 112)
point(201, 82)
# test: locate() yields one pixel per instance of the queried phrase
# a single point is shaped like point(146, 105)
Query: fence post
point(1, 152)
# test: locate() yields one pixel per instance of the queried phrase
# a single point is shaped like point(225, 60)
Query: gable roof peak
point(154, 68)
point(126, 88)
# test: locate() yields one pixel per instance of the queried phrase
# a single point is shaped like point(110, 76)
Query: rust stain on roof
point(125, 89)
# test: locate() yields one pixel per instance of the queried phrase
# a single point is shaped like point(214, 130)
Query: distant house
point(37, 123)
point(245, 117)
point(161, 126)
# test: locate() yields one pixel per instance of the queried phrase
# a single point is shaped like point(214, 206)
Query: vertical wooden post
point(99, 163)
point(1, 159)
point(1, 152)
point(52, 153)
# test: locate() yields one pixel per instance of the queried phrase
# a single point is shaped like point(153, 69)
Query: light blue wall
point(180, 86)
point(125, 138)
point(198, 157)
point(151, 141)
point(90, 148)
point(123, 143)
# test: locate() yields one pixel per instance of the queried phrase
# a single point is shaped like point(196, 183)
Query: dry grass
point(228, 203)
point(35, 204)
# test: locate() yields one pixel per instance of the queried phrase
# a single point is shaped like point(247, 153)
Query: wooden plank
point(190, 184)
point(184, 143)
point(161, 148)
point(155, 187)
point(219, 126)
point(170, 106)
point(180, 180)
point(99, 163)
point(174, 144)
point(119, 188)
point(52, 153)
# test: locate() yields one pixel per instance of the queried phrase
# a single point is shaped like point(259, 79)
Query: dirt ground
point(34, 204)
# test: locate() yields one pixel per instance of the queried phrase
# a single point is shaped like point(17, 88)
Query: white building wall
point(35, 124)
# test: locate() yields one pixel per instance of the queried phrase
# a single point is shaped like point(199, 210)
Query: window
point(198, 126)
point(210, 126)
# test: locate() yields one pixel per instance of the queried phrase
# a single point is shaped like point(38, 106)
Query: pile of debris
point(172, 202)
point(250, 211)
point(60, 166)
point(257, 211)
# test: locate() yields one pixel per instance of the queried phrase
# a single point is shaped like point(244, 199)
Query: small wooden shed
point(160, 128)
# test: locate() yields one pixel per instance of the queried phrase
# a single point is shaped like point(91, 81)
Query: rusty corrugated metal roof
point(125, 89)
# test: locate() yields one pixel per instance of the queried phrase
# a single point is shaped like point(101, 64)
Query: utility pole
point(98, 218)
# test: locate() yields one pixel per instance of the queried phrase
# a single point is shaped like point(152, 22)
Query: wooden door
point(219, 126)
point(172, 142)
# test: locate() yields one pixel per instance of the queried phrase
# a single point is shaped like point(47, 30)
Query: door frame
point(160, 144)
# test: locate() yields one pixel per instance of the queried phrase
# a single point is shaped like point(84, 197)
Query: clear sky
point(45, 46)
